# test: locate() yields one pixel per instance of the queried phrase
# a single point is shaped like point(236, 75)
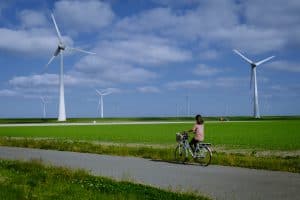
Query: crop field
point(258, 135)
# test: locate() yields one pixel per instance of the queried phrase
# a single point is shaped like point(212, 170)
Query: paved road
point(215, 181)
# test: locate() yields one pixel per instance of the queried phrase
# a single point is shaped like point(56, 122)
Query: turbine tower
point(253, 80)
point(44, 102)
point(101, 94)
point(59, 50)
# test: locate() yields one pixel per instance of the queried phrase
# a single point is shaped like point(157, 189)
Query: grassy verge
point(31, 180)
point(290, 163)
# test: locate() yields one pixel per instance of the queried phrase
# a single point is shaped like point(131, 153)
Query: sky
point(156, 56)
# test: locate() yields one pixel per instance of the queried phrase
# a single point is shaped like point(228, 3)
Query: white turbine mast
point(59, 50)
point(44, 103)
point(101, 94)
point(253, 80)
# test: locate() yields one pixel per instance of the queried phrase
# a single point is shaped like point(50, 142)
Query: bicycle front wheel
point(203, 156)
point(180, 154)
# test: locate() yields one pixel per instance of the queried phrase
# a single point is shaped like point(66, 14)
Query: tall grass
point(31, 180)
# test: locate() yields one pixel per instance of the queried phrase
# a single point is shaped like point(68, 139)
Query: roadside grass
point(32, 180)
point(265, 135)
point(289, 163)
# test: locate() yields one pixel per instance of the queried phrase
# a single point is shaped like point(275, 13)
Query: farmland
point(260, 135)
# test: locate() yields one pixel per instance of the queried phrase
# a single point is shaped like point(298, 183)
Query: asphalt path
point(217, 182)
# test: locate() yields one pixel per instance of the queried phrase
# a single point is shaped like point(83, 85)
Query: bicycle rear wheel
point(180, 155)
point(203, 156)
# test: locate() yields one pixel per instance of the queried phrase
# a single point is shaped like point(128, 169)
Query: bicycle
point(202, 153)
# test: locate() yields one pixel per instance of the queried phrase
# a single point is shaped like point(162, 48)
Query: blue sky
point(152, 54)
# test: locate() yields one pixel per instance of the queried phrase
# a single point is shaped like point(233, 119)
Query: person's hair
point(199, 119)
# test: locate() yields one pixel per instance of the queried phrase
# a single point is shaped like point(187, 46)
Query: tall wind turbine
point(59, 50)
point(253, 79)
point(44, 102)
point(101, 94)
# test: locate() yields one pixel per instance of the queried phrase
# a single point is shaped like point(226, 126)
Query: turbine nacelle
point(61, 46)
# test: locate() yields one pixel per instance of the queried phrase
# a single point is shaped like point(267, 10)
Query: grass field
point(261, 135)
point(142, 119)
point(20, 180)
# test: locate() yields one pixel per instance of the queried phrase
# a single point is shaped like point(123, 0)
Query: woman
point(198, 130)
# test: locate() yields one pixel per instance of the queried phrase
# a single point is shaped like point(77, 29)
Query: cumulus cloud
point(83, 16)
point(148, 89)
point(247, 25)
point(51, 80)
point(127, 59)
point(225, 82)
point(284, 66)
point(142, 50)
point(35, 42)
point(32, 18)
point(8, 92)
point(205, 70)
point(187, 84)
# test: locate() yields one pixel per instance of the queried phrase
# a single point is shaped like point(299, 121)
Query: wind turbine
point(101, 94)
point(44, 102)
point(253, 79)
point(59, 50)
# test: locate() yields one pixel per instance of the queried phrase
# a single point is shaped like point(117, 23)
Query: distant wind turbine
point(59, 50)
point(44, 103)
point(253, 79)
point(101, 94)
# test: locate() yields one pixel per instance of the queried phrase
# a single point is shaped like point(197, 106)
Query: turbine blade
point(99, 93)
point(244, 57)
point(106, 93)
point(46, 67)
point(57, 30)
point(80, 50)
point(265, 60)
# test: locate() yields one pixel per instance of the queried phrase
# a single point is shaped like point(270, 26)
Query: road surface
point(217, 182)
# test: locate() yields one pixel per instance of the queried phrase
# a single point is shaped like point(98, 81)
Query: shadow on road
point(177, 162)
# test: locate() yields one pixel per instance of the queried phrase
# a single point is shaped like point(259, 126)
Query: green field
point(143, 119)
point(260, 135)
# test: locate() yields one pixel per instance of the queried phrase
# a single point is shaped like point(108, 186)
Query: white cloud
point(83, 16)
point(35, 42)
point(148, 89)
point(208, 54)
point(230, 82)
point(204, 70)
point(32, 18)
point(141, 50)
point(126, 60)
point(188, 84)
point(51, 80)
point(284, 66)
point(246, 25)
point(8, 93)
point(225, 82)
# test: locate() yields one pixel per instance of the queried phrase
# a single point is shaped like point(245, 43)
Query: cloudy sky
point(155, 55)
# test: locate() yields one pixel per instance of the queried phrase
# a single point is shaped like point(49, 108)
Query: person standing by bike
point(198, 130)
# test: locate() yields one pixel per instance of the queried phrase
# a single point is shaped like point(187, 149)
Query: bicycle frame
point(187, 148)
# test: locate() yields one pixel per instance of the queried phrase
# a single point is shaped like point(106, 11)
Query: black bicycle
point(201, 155)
